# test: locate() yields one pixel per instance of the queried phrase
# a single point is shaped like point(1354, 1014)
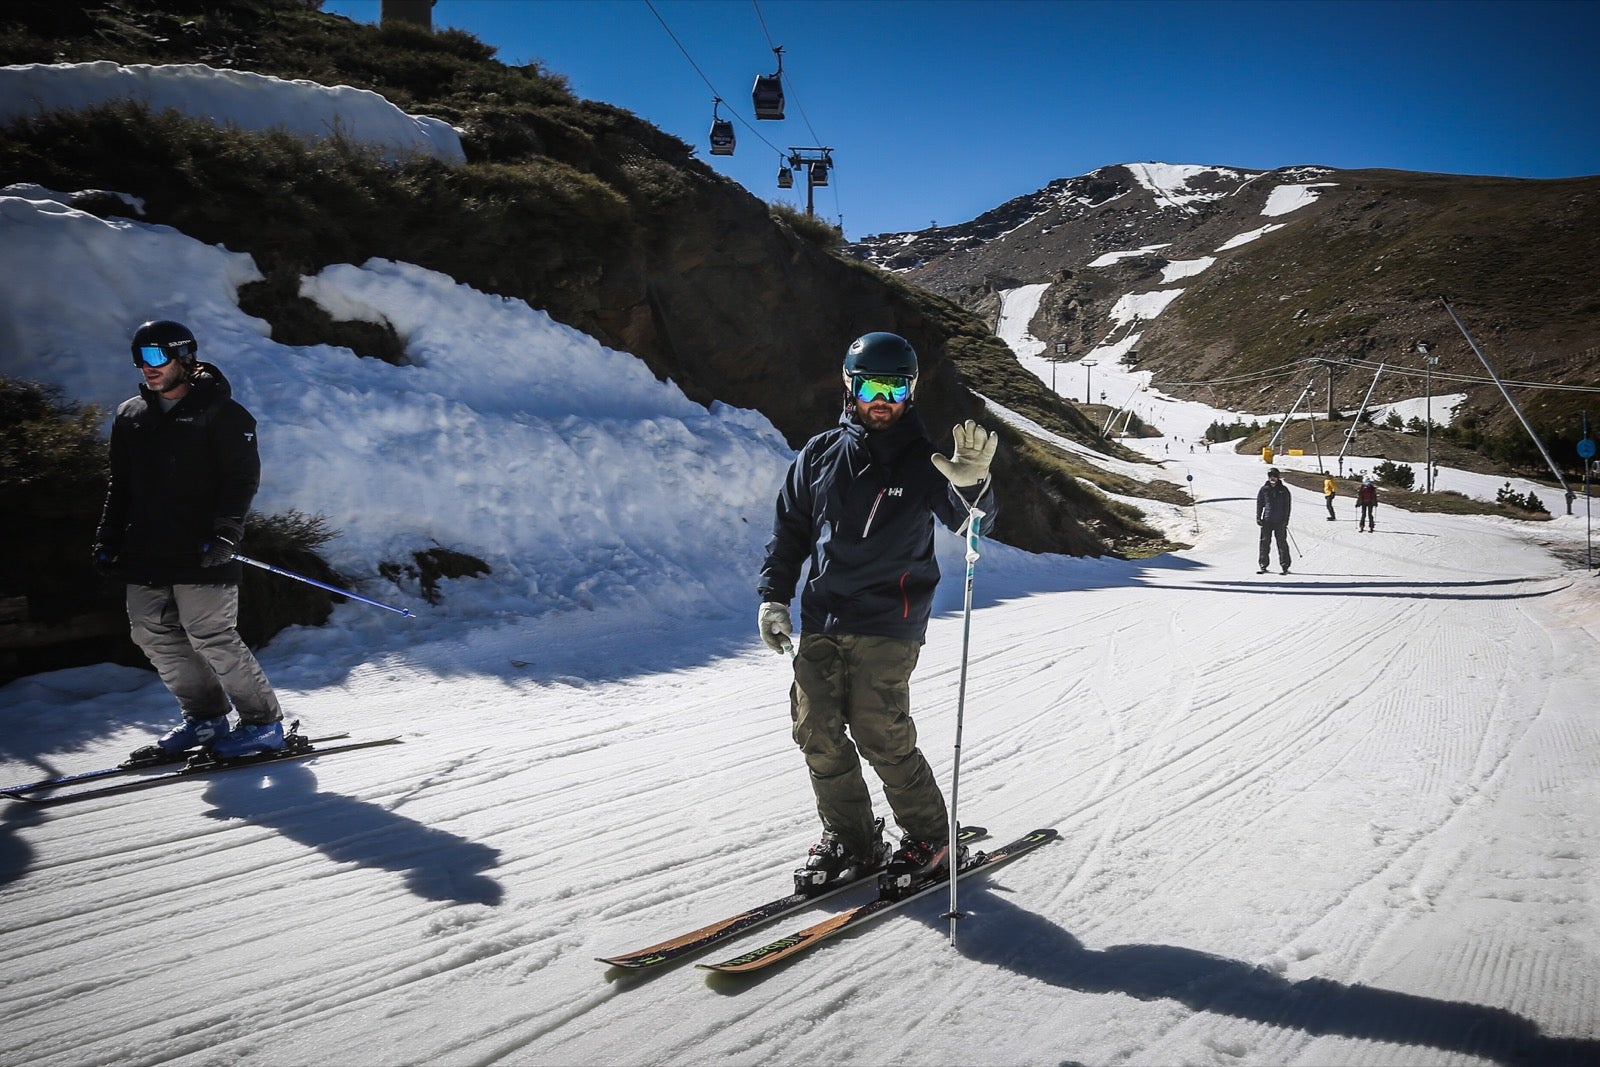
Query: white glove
point(970, 458)
point(777, 631)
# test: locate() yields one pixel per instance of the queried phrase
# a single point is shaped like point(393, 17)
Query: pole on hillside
point(1586, 453)
point(1272, 445)
point(972, 530)
point(1526, 425)
point(1350, 434)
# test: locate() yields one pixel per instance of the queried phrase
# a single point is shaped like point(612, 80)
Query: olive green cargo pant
point(851, 699)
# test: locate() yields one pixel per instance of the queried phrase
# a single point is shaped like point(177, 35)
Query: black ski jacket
point(176, 478)
point(1273, 504)
point(861, 506)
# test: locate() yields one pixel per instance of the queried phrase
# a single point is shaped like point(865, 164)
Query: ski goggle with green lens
point(890, 387)
point(151, 356)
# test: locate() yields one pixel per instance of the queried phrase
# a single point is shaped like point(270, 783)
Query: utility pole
point(1426, 348)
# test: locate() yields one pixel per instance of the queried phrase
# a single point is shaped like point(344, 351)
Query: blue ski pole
point(320, 585)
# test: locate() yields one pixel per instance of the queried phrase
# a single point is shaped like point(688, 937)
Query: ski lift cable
point(717, 95)
point(1361, 364)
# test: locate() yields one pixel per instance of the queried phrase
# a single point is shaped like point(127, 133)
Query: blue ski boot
point(250, 739)
point(171, 746)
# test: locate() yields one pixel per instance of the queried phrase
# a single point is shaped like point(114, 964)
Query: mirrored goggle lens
point(152, 356)
point(893, 389)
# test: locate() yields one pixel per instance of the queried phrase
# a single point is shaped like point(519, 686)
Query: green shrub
point(1526, 501)
point(819, 232)
point(1399, 475)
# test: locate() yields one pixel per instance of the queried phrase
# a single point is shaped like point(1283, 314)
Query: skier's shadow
point(1005, 935)
point(16, 855)
point(435, 864)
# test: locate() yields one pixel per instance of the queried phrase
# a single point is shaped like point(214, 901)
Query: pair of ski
point(679, 948)
point(155, 772)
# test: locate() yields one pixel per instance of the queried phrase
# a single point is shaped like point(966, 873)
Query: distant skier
point(1366, 500)
point(1328, 489)
point(1272, 515)
point(860, 501)
point(184, 470)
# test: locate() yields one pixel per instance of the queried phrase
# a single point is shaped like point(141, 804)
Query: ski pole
point(1293, 542)
point(320, 585)
point(974, 522)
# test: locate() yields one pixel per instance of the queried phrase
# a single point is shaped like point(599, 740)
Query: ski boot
point(916, 861)
point(172, 745)
point(829, 864)
point(250, 739)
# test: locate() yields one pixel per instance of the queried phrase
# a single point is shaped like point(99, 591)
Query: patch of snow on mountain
point(1170, 182)
point(1287, 198)
point(239, 98)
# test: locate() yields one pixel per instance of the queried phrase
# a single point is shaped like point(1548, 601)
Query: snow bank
point(230, 97)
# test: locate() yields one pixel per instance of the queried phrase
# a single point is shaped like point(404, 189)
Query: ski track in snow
point(1347, 815)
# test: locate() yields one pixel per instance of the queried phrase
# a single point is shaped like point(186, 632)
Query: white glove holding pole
point(968, 463)
point(777, 632)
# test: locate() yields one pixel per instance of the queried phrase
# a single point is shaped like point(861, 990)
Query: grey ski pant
point(188, 632)
point(851, 699)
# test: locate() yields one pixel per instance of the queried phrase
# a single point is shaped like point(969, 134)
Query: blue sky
point(938, 110)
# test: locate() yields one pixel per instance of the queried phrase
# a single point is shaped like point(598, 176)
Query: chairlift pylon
point(722, 139)
point(767, 93)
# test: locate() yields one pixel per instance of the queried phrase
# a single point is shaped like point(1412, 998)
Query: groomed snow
point(1348, 815)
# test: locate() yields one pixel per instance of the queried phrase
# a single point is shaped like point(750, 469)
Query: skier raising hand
point(860, 502)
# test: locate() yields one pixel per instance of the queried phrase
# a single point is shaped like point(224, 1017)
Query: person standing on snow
point(1327, 492)
point(1272, 515)
point(860, 501)
point(1366, 500)
point(184, 470)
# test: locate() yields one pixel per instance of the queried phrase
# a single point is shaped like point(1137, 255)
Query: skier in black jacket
point(184, 470)
point(860, 501)
point(1272, 515)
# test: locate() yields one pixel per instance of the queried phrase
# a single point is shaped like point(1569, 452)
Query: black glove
point(224, 539)
point(106, 560)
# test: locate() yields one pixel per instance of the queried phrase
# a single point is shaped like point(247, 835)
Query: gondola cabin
point(721, 137)
point(819, 174)
point(785, 178)
point(767, 96)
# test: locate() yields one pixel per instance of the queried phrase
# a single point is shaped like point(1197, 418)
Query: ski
point(685, 945)
point(787, 947)
point(306, 748)
point(126, 767)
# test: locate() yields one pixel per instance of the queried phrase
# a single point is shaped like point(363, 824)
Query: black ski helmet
point(173, 338)
point(880, 353)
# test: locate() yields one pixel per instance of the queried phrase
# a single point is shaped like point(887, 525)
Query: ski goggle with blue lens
point(151, 356)
point(890, 387)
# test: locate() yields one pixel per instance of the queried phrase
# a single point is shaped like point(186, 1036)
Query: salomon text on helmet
point(157, 342)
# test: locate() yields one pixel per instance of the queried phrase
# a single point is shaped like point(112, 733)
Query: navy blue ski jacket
point(176, 477)
point(861, 507)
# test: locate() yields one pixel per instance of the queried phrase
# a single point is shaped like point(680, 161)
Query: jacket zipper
point(873, 513)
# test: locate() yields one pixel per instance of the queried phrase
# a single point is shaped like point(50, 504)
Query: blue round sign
point(1586, 448)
